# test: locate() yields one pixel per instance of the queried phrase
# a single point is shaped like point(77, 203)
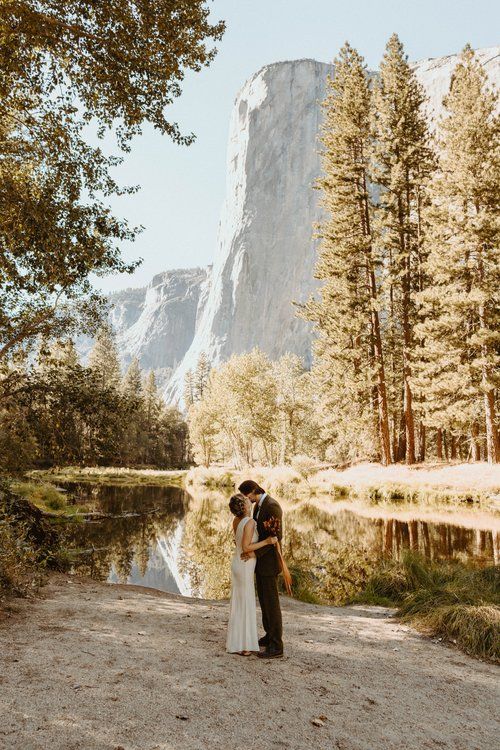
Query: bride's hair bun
point(237, 505)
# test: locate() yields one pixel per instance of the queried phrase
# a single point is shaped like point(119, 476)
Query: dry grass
point(371, 483)
point(454, 602)
point(279, 480)
point(460, 477)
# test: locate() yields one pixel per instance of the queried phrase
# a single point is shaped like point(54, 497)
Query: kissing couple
point(257, 533)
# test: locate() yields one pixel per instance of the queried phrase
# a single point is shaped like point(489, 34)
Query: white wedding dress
point(242, 628)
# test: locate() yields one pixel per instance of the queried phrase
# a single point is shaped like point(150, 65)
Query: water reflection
point(164, 538)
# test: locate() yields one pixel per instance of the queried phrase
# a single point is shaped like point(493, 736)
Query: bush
point(19, 571)
point(304, 465)
point(28, 545)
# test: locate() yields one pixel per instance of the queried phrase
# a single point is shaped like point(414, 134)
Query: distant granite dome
point(265, 254)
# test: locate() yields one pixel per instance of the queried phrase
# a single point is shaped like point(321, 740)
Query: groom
point(267, 569)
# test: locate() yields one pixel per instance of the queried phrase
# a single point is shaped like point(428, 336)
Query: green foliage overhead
point(65, 66)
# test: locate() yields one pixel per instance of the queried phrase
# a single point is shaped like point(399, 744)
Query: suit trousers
point(267, 591)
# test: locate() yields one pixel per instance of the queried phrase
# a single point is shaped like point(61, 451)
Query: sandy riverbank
point(92, 666)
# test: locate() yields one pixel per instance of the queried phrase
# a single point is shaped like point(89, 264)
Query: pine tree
point(152, 401)
point(104, 359)
point(189, 397)
point(132, 381)
point(402, 162)
point(349, 347)
point(201, 374)
point(459, 367)
point(135, 439)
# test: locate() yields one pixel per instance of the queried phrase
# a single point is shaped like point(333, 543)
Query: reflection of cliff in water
point(162, 568)
point(140, 540)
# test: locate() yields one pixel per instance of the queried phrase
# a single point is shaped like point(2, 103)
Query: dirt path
point(92, 666)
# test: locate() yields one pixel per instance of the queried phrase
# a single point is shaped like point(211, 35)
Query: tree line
point(56, 411)
point(408, 346)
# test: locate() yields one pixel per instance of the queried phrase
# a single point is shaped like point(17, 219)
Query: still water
point(168, 539)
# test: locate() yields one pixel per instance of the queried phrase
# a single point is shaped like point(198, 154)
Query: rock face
point(158, 325)
point(265, 248)
point(435, 74)
point(265, 253)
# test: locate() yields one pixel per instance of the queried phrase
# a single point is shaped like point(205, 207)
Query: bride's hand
point(272, 540)
point(247, 555)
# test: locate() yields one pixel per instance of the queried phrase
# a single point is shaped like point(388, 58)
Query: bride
point(242, 628)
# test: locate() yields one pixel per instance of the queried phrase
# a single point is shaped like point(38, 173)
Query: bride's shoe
point(245, 653)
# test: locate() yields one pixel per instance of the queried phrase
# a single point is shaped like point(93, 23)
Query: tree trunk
point(401, 453)
point(421, 442)
point(453, 447)
point(439, 444)
point(383, 412)
point(476, 446)
point(407, 337)
point(492, 441)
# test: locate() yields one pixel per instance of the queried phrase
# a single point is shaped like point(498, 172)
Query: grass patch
point(303, 584)
point(110, 475)
point(449, 600)
point(44, 495)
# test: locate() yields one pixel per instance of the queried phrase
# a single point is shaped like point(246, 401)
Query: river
point(168, 539)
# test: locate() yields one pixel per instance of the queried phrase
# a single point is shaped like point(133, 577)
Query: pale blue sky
point(183, 188)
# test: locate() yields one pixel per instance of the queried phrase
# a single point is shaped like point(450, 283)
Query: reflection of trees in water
point(435, 540)
point(340, 551)
point(121, 540)
point(336, 551)
point(209, 545)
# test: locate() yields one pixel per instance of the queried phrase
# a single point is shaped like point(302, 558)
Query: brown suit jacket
point(267, 557)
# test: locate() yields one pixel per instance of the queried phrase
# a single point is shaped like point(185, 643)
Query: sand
point(92, 666)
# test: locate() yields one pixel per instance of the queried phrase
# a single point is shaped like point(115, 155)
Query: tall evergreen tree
point(402, 162)
point(201, 375)
point(349, 347)
point(104, 359)
point(135, 439)
point(189, 396)
point(132, 381)
point(459, 367)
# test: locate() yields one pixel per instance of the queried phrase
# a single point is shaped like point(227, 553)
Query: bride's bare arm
point(246, 542)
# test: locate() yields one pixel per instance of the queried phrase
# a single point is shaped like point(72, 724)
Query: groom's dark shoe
point(263, 641)
point(270, 653)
